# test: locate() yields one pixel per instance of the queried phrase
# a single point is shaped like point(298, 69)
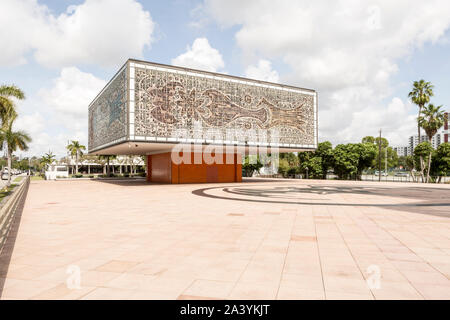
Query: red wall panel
point(163, 170)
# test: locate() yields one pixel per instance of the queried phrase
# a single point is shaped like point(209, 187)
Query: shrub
point(78, 176)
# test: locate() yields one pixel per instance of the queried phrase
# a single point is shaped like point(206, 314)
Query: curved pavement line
point(202, 193)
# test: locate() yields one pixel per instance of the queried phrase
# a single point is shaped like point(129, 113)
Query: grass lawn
point(4, 193)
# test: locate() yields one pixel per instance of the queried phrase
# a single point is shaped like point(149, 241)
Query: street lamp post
point(379, 159)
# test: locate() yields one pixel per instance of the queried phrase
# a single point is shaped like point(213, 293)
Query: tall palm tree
point(14, 140)
point(420, 95)
point(431, 120)
point(7, 107)
point(76, 149)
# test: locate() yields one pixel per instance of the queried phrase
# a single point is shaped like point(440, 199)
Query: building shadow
point(143, 182)
point(8, 248)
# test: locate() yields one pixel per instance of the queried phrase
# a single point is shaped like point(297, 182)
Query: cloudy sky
point(361, 56)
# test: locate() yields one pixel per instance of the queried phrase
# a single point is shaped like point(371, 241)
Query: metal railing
point(367, 177)
point(9, 208)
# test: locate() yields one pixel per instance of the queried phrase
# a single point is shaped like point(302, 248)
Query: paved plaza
point(261, 239)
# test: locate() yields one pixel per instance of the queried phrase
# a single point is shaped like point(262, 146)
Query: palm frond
point(12, 91)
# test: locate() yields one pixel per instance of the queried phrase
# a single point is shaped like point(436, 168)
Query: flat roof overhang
point(146, 148)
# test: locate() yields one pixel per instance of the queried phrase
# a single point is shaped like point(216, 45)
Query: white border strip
point(206, 76)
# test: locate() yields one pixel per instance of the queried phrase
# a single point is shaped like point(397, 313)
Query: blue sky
point(361, 58)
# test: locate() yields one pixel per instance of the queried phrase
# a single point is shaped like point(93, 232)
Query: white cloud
point(262, 71)
point(71, 93)
point(200, 56)
point(62, 112)
point(100, 32)
point(347, 50)
point(35, 126)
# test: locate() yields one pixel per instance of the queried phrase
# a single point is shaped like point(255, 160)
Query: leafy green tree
point(14, 140)
point(421, 153)
point(283, 167)
point(367, 153)
point(420, 95)
point(392, 157)
point(317, 163)
point(431, 120)
point(441, 160)
point(22, 164)
point(352, 158)
point(314, 166)
point(345, 160)
point(368, 139)
point(76, 149)
point(250, 167)
point(325, 153)
point(291, 158)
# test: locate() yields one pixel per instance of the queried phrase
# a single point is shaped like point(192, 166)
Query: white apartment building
point(436, 141)
point(402, 151)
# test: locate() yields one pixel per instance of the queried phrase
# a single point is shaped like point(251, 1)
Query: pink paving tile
point(187, 244)
point(346, 284)
point(396, 291)
point(250, 291)
point(209, 289)
point(340, 295)
point(290, 293)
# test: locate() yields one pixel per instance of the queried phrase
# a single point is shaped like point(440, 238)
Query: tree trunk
point(9, 168)
point(412, 175)
point(429, 167)
point(418, 142)
point(418, 126)
point(422, 169)
point(76, 163)
point(107, 168)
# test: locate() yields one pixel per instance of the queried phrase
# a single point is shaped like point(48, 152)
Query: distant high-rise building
point(401, 151)
point(436, 141)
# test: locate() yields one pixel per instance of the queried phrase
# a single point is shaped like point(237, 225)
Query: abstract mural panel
point(167, 101)
point(107, 114)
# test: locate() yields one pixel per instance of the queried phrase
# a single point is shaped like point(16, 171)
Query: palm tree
point(76, 149)
point(14, 140)
point(107, 157)
point(47, 159)
point(420, 95)
point(431, 120)
point(7, 107)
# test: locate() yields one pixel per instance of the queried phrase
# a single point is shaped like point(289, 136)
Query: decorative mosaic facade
point(167, 101)
point(108, 113)
point(152, 102)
